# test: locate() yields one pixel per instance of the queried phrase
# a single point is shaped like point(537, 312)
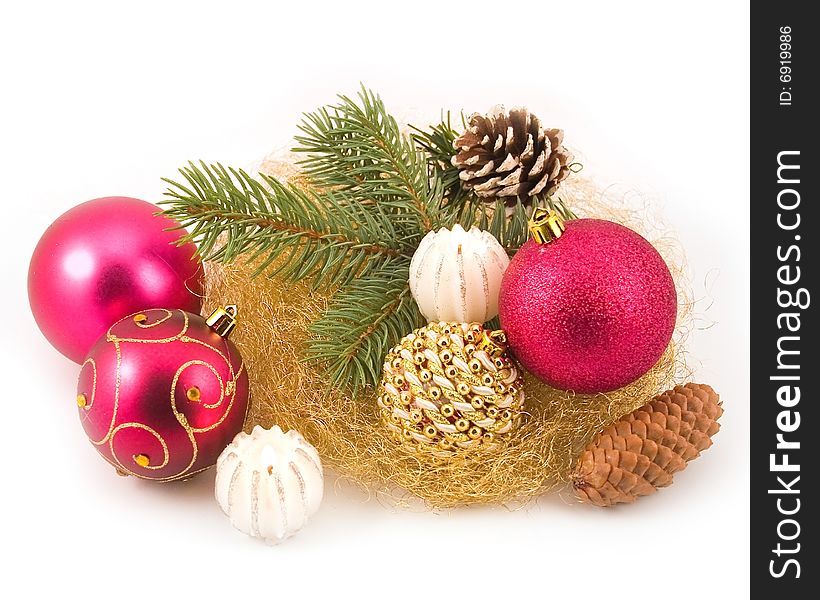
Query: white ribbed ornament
point(455, 275)
point(269, 483)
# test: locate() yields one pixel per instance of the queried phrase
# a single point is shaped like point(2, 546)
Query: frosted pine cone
point(511, 156)
point(640, 453)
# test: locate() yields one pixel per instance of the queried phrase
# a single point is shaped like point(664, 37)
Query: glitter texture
point(591, 311)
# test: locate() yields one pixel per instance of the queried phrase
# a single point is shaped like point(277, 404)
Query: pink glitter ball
point(590, 311)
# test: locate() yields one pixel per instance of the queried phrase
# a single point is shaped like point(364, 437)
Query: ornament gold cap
point(546, 225)
point(493, 343)
point(223, 320)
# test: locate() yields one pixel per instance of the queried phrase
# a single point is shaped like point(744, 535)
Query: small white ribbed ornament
point(455, 275)
point(269, 483)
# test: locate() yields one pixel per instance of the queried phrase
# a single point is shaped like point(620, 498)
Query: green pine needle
point(361, 324)
point(438, 143)
point(358, 147)
point(294, 234)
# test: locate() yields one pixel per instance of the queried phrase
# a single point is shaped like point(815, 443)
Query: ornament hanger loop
point(493, 343)
point(546, 225)
point(223, 320)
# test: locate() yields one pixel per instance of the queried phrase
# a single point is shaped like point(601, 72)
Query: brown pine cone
point(511, 156)
point(640, 453)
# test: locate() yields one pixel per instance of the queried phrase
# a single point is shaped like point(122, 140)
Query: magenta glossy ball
point(161, 394)
point(590, 311)
point(103, 260)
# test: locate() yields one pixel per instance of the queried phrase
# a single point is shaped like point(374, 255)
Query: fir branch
point(357, 146)
point(360, 326)
point(295, 234)
point(510, 225)
point(438, 142)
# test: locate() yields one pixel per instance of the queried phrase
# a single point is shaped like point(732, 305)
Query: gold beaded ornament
point(448, 386)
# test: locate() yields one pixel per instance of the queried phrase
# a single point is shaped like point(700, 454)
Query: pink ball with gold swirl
point(590, 311)
point(105, 259)
point(161, 394)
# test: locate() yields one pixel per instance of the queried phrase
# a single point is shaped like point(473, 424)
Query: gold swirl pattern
point(166, 456)
point(208, 366)
point(107, 435)
point(140, 462)
point(230, 386)
point(87, 405)
point(141, 319)
point(130, 320)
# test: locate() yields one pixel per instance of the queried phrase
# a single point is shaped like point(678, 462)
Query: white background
point(102, 99)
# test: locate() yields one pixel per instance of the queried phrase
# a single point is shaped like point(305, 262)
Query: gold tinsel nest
point(274, 317)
